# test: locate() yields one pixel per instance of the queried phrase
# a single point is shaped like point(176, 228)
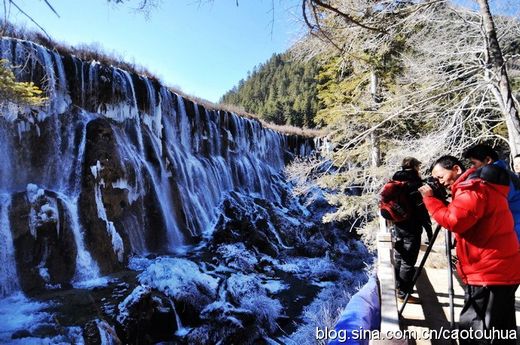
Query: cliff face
point(116, 164)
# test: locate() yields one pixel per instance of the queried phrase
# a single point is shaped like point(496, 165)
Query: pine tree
point(280, 91)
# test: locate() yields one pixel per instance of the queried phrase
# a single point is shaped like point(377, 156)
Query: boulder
point(250, 221)
point(146, 317)
point(316, 246)
point(183, 281)
point(45, 248)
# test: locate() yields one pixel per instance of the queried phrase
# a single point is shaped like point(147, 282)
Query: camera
point(438, 189)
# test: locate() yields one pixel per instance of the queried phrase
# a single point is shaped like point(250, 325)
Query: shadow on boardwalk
point(433, 314)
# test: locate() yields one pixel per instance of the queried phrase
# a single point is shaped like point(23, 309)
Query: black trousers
point(490, 310)
point(407, 241)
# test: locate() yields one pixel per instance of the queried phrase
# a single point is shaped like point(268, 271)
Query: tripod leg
point(450, 280)
point(420, 268)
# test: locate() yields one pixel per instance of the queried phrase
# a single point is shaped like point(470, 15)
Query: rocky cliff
point(116, 164)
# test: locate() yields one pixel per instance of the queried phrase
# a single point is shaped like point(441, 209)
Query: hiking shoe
point(411, 299)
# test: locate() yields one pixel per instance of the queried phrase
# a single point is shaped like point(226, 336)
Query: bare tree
point(497, 74)
point(433, 92)
point(471, 59)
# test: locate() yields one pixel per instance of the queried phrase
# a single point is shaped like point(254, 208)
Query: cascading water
point(137, 169)
point(86, 267)
point(115, 174)
point(8, 276)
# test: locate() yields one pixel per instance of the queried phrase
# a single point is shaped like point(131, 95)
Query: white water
point(181, 330)
point(8, 276)
point(86, 268)
point(117, 241)
point(170, 150)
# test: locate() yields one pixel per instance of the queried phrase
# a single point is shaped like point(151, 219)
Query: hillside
point(280, 91)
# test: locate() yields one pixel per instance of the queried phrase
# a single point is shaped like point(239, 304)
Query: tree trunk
point(376, 149)
point(374, 136)
point(496, 67)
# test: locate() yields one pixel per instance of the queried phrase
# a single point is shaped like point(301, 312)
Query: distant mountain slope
point(280, 90)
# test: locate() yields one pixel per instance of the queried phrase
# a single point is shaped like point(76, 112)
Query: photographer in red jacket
point(487, 248)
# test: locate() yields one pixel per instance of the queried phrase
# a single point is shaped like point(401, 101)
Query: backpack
point(394, 202)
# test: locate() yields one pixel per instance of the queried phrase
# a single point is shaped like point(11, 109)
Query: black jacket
point(419, 216)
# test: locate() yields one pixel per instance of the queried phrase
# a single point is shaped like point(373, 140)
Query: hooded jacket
point(479, 215)
point(513, 197)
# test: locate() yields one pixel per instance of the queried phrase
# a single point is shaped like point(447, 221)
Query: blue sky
point(202, 47)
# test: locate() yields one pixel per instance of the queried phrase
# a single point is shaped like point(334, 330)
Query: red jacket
point(479, 215)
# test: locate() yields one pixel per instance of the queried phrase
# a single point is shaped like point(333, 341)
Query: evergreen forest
point(281, 90)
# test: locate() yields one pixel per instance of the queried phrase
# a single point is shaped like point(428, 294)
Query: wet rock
point(251, 222)
point(45, 249)
point(99, 332)
point(91, 333)
point(182, 280)
point(316, 246)
point(46, 331)
point(146, 317)
point(102, 168)
point(21, 334)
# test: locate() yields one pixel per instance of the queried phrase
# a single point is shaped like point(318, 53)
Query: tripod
point(450, 273)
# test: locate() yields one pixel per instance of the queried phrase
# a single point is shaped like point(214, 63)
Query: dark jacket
point(513, 197)
point(487, 246)
point(419, 216)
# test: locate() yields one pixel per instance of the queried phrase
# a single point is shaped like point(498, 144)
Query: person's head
point(516, 163)
point(410, 163)
point(480, 155)
point(447, 170)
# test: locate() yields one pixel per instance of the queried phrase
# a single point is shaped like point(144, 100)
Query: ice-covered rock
point(182, 280)
point(247, 292)
point(256, 223)
point(145, 317)
point(236, 256)
point(43, 237)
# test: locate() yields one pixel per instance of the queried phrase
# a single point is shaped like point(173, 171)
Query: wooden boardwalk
point(432, 288)
point(434, 311)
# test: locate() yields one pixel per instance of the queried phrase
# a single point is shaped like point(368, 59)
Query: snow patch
point(179, 278)
point(274, 286)
point(311, 268)
point(130, 301)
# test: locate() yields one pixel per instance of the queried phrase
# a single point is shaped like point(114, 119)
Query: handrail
point(374, 306)
point(386, 274)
